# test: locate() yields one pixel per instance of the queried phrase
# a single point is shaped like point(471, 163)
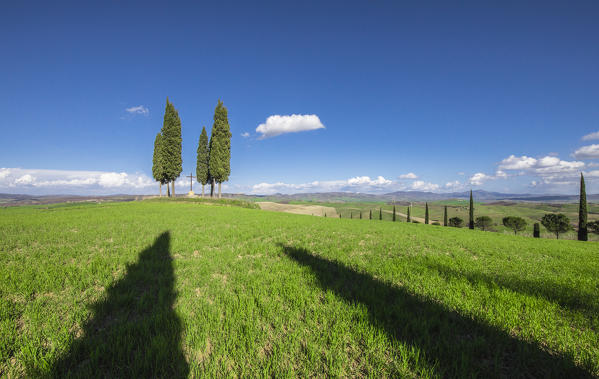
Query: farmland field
point(176, 289)
point(531, 212)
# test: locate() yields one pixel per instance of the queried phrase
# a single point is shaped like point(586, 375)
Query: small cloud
point(25, 179)
point(420, 185)
point(276, 125)
point(461, 173)
point(591, 136)
point(245, 134)
point(587, 152)
point(454, 185)
point(140, 109)
point(409, 175)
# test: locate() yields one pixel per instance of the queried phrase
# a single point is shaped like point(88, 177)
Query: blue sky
point(485, 96)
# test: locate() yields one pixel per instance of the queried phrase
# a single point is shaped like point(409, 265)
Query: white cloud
point(544, 166)
point(4, 172)
point(549, 170)
point(40, 181)
point(276, 125)
point(355, 184)
point(587, 152)
point(479, 178)
point(25, 179)
point(409, 175)
point(420, 185)
point(140, 109)
point(455, 185)
point(591, 136)
point(517, 163)
point(245, 134)
point(365, 180)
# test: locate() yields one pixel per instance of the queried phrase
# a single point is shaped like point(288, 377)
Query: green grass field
point(176, 289)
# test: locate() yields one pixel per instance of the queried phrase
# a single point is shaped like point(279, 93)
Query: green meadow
point(215, 289)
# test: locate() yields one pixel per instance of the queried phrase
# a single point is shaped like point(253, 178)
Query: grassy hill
point(161, 288)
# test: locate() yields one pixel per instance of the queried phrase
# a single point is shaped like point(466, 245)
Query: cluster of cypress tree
point(213, 156)
point(167, 162)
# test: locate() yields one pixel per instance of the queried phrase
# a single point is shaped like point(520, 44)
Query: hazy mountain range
point(479, 195)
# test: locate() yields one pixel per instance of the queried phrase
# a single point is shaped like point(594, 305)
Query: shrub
point(483, 222)
point(456, 222)
point(556, 223)
point(517, 224)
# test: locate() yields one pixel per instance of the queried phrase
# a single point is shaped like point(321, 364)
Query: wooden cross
point(190, 176)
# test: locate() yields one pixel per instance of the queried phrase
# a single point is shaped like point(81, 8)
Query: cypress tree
point(158, 162)
point(445, 216)
point(380, 213)
point(360, 215)
point(393, 213)
point(426, 213)
point(202, 172)
point(351, 215)
point(536, 232)
point(371, 214)
point(583, 234)
point(409, 219)
point(220, 147)
point(171, 144)
point(471, 220)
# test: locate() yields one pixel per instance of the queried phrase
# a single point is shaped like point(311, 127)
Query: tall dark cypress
point(220, 148)
point(360, 215)
point(351, 214)
point(426, 214)
point(409, 219)
point(583, 234)
point(394, 213)
point(471, 220)
point(445, 216)
point(536, 232)
point(171, 144)
point(380, 213)
point(158, 169)
point(370, 214)
point(202, 172)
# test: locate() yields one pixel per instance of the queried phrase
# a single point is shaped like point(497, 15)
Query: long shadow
point(567, 297)
point(455, 345)
point(134, 331)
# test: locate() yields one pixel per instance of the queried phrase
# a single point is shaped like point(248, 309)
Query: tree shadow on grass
point(455, 345)
point(567, 297)
point(134, 331)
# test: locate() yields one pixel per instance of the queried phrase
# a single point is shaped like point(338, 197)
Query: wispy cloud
point(591, 136)
point(276, 125)
point(140, 109)
point(587, 152)
point(245, 134)
point(409, 175)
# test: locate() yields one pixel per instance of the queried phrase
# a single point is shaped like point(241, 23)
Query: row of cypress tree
point(213, 156)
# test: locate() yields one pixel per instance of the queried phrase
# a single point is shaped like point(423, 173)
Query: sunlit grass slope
point(176, 289)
